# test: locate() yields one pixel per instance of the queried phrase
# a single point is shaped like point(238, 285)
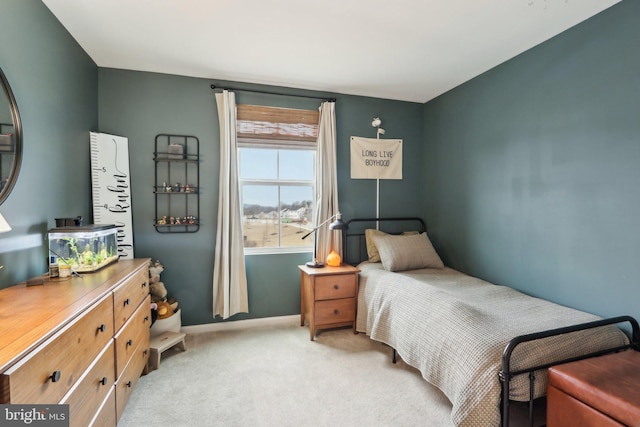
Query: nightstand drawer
point(335, 286)
point(335, 311)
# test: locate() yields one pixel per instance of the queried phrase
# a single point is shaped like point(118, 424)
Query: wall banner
point(111, 188)
point(373, 158)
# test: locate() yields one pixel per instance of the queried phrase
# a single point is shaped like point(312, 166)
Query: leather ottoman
point(595, 392)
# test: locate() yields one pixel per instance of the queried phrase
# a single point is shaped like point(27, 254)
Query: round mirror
point(10, 139)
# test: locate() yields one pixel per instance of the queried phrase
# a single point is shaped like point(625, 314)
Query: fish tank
point(85, 248)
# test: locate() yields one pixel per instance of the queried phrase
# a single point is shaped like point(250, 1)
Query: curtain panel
point(327, 182)
point(229, 273)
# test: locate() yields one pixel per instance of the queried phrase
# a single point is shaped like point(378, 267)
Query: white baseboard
point(241, 324)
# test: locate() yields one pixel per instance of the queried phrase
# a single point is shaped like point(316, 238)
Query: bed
point(483, 345)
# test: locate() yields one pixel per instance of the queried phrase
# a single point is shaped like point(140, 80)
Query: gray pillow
point(372, 251)
point(401, 253)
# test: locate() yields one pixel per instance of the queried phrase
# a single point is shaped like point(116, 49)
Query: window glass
point(256, 163)
point(260, 207)
point(296, 215)
point(296, 165)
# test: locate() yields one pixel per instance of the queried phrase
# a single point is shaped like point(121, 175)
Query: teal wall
point(56, 88)
point(141, 105)
point(533, 169)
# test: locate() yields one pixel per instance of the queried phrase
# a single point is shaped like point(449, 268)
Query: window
point(277, 149)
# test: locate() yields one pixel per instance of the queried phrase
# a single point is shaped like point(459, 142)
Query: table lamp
point(338, 224)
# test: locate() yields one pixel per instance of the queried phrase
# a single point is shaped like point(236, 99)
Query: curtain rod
point(213, 86)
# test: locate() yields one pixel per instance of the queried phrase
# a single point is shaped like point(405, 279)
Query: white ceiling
point(412, 50)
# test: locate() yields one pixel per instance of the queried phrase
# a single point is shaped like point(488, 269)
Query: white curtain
point(327, 182)
point(229, 274)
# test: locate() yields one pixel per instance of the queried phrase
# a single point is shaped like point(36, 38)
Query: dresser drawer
point(91, 390)
point(106, 416)
point(48, 372)
point(335, 311)
point(129, 378)
point(133, 333)
point(129, 295)
point(335, 286)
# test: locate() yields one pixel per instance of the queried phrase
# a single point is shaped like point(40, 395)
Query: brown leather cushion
point(610, 384)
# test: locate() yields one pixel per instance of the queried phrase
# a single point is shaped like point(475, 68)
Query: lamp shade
point(4, 225)
point(338, 224)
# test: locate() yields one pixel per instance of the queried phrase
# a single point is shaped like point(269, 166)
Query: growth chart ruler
point(110, 187)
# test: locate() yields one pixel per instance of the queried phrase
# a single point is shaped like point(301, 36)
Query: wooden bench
point(595, 392)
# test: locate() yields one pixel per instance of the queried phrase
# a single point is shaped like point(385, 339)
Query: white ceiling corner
point(411, 50)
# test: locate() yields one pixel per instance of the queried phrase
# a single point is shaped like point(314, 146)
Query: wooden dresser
point(81, 341)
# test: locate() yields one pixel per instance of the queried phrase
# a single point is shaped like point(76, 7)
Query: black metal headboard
point(353, 239)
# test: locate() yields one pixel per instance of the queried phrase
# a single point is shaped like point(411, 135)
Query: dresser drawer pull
point(102, 327)
point(127, 301)
point(336, 287)
point(146, 350)
point(144, 285)
point(128, 384)
point(55, 377)
point(103, 381)
point(129, 343)
point(336, 311)
point(146, 319)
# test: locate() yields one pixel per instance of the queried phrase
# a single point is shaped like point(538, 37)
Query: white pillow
point(407, 252)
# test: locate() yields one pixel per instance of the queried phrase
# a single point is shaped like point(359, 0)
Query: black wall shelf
point(177, 183)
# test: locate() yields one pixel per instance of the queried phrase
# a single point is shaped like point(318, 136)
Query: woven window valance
point(275, 127)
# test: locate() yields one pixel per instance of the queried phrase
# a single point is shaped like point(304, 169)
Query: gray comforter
point(453, 328)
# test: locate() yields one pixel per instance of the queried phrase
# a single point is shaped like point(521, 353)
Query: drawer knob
point(55, 377)
point(103, 381)
point(146, 319)
point(336, 287)
point(130, 343)
point(102, 327)
point(128, 384)
point(336, 311)
point(144, 285)
point(145, 351)
point(127, 302)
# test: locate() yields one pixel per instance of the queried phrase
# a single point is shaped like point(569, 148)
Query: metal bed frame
point(506, 374)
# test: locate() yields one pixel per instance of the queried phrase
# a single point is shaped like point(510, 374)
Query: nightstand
point(328, 297)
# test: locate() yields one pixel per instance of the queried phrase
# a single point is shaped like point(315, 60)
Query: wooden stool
point(163, 342)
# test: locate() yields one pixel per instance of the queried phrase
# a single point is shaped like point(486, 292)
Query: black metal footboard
point(506, 374)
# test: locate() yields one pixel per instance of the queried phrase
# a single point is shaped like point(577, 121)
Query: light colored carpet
point(275, 376)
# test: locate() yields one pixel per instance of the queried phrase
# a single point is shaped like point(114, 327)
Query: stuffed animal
point(166, 309)
point(158, 291)
point(156, 288)
point(155, 268)
point(161, 307)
